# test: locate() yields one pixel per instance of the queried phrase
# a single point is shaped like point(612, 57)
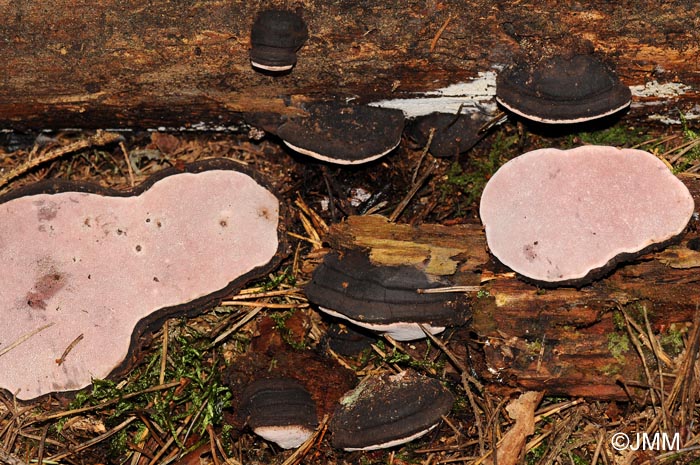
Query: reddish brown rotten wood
point(564, 341)
point(112, 63)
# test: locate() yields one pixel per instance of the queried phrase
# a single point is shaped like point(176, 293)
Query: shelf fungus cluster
point(567, 217)
point(564, 89)
point(384, 410)
point(342, 133)
point(384, 299)
point(88, 271)
point(275, 37)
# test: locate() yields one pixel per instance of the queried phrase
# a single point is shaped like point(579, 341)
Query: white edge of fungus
point(400, 331)
point(474, 95)
point(255, 64)
point(394, 442)
point(563, 121)
point(287, 437)
point(340, 161)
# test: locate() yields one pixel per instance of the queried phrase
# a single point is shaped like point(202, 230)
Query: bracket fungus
point(280, 410)
point(87, 270)
point(564, 89)
point(453, 134)
point(567, 217)
point(386, 410)
point(383, 298)
point(344, 134)
point(275, 37)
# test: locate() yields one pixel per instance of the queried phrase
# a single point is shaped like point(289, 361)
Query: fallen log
point(565, 341)
point(186, 64)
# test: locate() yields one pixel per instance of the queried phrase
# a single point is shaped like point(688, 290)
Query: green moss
point(578, 460)
point(672, 341)
point(285, 276)
point(618, 320)
point(469, 183)
point(280, 319)
point(611, 369)
point(482, 293)
point(618, 345)
point(691, 157)
point(619, 135)
point(534, 347)
point(534, 455)
point(200, 395)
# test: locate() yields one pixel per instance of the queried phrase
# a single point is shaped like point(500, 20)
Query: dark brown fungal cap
point(280, 410)
point(275, 38)
point(387, 410)
point(345, 134)
point(562, 90)
point(382, 298)
point(454, 134)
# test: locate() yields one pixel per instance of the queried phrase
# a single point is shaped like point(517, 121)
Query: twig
point(10, 459)
point(263, 304)
point(305, 447)
point(128, 162)
point(68, 413)
point(455, 361)
point(164, 353)
point(401, 206)
point(448, 289)
point(433, 43)
point(423, 154)
point(235, 327)
point(42, 444)
point(293, 292)
point(93, 441)
point(24, 338)
point(70, 347)
point(99, 138)
point(169, 442)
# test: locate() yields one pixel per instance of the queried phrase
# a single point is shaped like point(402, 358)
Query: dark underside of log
point(564, 341)
point(115, 63)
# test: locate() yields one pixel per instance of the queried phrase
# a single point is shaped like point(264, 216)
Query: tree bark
point(565, 341)
point(115, 63)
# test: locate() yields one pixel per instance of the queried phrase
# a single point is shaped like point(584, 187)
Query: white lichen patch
point(659, 90)
point(475, 95)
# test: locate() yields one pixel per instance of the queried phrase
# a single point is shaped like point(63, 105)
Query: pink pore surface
point(554, 215)
point(96, 265)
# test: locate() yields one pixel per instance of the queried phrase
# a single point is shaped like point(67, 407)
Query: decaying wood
point(112, 63)
point(565, 341)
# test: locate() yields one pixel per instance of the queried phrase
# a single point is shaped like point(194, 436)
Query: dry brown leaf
point(522, 410)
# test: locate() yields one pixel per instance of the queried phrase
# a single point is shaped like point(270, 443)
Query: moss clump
point(469, 183)
point(619, 136)
point(618, 345)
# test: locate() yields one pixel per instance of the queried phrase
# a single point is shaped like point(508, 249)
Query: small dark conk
point(275, 38)
point(389, 409)
point(344, 134)
point(562, 90)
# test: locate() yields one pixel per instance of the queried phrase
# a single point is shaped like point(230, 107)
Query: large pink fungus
point(85, 274)
point(565, 217)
